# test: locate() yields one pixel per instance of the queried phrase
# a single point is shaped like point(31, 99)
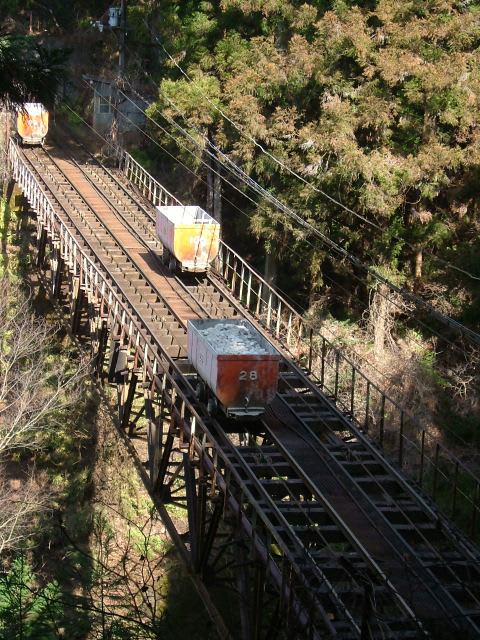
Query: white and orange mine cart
point(190, 237)
point(32, 123)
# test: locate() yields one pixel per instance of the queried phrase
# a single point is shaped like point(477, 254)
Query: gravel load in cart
point(190, 236)
point(238, 367)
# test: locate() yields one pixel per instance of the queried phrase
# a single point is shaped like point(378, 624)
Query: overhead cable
point(294, 173)
point(339, 250)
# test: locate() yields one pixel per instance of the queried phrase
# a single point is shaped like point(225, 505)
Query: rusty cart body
point(32, 123)
point(190, 236)
point(243, 383)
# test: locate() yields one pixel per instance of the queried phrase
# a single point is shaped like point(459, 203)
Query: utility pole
point(117, 22)
point(122, 39)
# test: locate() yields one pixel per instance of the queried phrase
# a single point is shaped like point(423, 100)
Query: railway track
point(353, 528)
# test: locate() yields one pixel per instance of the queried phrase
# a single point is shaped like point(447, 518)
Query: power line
point(294, 173)
point(413, 298)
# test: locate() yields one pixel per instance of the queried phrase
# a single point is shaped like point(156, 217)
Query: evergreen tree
point(374, 102)
point(27, 611)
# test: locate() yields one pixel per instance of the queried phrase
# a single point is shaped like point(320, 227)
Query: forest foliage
point(373, 102)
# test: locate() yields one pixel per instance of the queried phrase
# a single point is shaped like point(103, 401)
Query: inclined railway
point(352, 548)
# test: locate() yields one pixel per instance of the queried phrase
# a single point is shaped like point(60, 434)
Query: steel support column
point(128, 402)
point(191, 491)
point(101, 349)
point(76, 306)
point(41, 245)
point(56, 266)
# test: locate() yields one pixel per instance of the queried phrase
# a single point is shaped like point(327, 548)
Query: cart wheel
point(172, 264)
point(201, 391)
point(166, 255)
point(212, 406)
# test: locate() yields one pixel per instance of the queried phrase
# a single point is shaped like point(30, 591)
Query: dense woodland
point(363, 118)
point(374, 103)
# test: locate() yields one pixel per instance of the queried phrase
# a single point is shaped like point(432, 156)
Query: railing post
point(435, 470)
point(382, 420)
point(242, 282)
point(324, 355)
point(289, 329)
point(269, 309)
point(310, 351)
point(279, 317)
point(422, 459)
point(337, 364)
point(249, 289)
point(352, 393)
point(367, 408)
point(259, 298)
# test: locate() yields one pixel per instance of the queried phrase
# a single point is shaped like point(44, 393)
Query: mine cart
point(190, 237)
point(235, 363)
point(32, 123)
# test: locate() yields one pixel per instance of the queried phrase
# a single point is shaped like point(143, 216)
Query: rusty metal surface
point(32, 123)
point(244, 383)
point(190, 234)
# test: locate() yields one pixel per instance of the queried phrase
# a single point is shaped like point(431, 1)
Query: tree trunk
point(418, 264)
point(271, 265)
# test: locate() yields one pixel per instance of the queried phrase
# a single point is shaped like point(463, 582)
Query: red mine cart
point(191, 237)
point(237, 364)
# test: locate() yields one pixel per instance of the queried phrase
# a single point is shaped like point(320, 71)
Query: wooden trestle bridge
point(315, 514)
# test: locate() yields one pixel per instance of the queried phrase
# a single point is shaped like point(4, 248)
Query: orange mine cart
point(191, 237)
point(32, 123)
